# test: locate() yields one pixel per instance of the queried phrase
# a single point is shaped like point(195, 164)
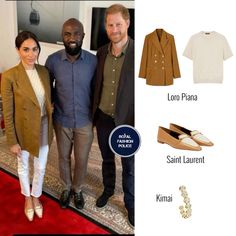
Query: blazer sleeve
point(49, 67)
point(144, 59)
point(8, 109)
point(175, 63)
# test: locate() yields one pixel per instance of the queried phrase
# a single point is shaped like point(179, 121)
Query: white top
point(208, 50)
point(38, 89)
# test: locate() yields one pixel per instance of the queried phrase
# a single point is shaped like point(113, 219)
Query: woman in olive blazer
point(27, 113)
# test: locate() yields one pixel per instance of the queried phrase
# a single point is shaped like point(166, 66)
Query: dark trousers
point(105, 124)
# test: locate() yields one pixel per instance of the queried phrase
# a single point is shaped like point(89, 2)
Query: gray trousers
point(81, 140)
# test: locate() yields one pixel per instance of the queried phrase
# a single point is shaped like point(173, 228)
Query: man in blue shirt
point(72, 71)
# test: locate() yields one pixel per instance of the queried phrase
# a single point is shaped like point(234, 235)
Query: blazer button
point(162, 68)
point(162, 56)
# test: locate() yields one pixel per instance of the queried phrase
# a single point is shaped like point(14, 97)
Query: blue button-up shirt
point(72, 88)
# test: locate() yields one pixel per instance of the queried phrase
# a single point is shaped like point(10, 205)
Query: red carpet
point(55, 220)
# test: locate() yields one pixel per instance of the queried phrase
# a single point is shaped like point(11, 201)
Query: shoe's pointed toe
point(177, 140)
point(197, 136)
point(29, 214)
point(39, 211)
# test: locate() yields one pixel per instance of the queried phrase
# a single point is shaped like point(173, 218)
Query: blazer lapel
point(43, 79)
point(25, 84)
point(156, 41)
point(46, 85)
point(164, 40)
point(127, 66)
point(162, 43)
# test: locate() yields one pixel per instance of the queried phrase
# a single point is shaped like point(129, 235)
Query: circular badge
point(124, 140)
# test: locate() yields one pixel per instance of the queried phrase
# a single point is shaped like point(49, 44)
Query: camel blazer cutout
point(22, 114)
point(159, 63)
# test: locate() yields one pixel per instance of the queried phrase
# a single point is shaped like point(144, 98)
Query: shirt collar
point(123, 49)
point(64, 56)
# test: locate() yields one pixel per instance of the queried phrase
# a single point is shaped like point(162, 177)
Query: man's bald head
point(73, 35)
point(73, 22)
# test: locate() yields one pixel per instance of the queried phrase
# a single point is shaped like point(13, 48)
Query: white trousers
point(39, 171)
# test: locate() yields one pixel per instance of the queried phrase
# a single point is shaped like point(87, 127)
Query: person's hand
point(16, 149)
point(52, 106)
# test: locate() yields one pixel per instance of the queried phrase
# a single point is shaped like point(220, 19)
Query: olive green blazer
point(21, 111)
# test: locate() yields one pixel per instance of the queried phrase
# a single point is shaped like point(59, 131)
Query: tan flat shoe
point(195, 135)
point(29, 214)
point(177, 140)
point(38, 209)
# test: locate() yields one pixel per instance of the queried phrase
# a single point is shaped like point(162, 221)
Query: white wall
point(8, 30)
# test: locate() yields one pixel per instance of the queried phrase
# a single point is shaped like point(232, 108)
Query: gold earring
point(185, 211)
